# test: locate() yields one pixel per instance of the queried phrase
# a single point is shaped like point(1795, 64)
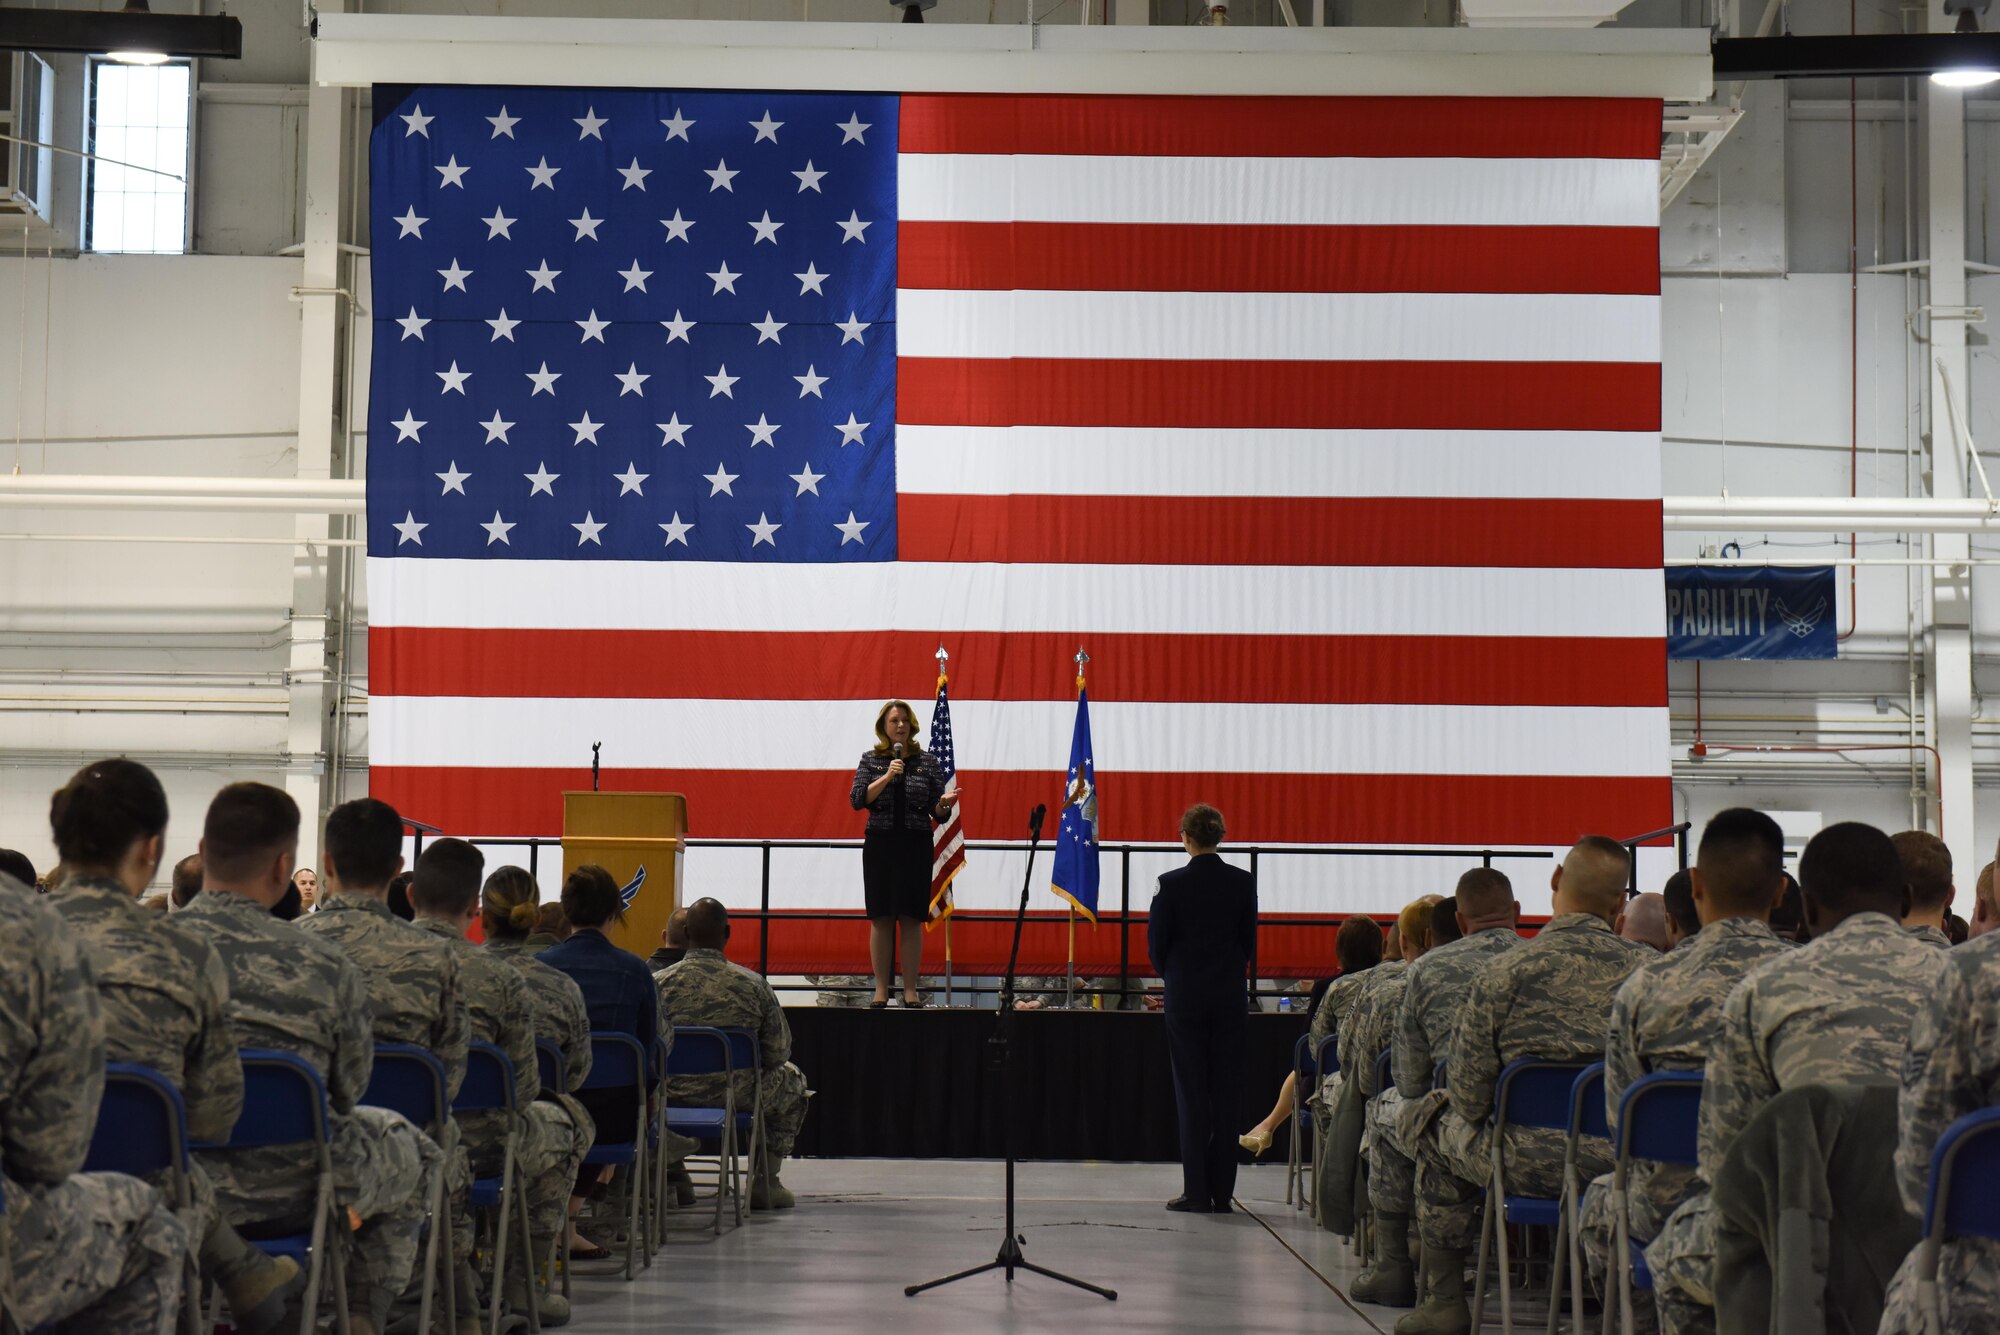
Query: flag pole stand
point(1000, 1049)
point(1069, 992)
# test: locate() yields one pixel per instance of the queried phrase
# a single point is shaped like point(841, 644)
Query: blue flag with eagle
point(1076, 836)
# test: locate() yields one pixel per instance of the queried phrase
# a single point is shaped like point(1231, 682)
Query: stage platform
point(898, 1084)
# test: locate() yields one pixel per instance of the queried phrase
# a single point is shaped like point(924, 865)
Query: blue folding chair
point(1586, 1118)
point(701, 1050)
point(1959, 1202)
point(1659, 1120)
point(1304, 1068)
point(284, 1103)
point(746, 1052)
point(1530, 1093)
point(1326, 1062)
point(618, 1062)
point(551, 1065)
point(411, 1080)
point(142, 1132)
point(489, 1087)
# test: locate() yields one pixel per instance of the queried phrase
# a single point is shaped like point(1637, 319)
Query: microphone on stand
point(1035, 820)
point(897, 785)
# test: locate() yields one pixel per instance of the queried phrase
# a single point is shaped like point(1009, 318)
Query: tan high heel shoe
point(1255, 1142)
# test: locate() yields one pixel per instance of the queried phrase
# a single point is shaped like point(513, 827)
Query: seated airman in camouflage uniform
point(1548, 998)
point(1668, 1015)
point(501, 1011)
point(414, 993)
point(1834, 1012)
point(706, 989)
point(1433, 997)
point(1952, 1068)
point(296, 992)
point(1927, 867)
point(92, 1253)
point(164, 995)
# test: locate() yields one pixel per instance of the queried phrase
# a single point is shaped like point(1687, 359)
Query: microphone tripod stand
point(1000, 1049)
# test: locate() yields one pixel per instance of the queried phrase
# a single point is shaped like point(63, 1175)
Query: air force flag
point(1076, 838)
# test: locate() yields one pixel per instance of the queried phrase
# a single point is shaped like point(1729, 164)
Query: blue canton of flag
point(633, 325)
point(1075, 877)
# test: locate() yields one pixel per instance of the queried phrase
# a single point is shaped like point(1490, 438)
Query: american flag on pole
point(1330, 424)
point(948, 839)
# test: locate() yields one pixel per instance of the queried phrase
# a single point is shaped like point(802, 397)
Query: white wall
point(189, 365)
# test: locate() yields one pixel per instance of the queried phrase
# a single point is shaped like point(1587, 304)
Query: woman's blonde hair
point(882, 744)
point(1414, 922)
point(508, 904)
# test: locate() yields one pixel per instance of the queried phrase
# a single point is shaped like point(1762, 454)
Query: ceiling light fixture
point(134, 34)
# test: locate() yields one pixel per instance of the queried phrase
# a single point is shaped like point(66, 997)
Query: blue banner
point(1750, 612)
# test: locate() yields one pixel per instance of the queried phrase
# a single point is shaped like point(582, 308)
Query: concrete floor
point(865, 1228)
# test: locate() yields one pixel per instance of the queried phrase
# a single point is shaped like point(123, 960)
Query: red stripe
point(1280, 530)
point(1282, 127)
point(1168, 257)
point(996, 665)
point(1481, 396)
point(1454, 809)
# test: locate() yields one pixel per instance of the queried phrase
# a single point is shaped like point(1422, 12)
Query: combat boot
point(682, 1182)
point(1444, 1311)
point(1389, 1281)
point(257, 1297)
point(766, 1191)
point(551, 1306)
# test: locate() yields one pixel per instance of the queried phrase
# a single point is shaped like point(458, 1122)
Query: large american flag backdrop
point(1328, 426)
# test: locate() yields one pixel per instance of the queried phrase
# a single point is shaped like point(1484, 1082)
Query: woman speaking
point(903, 791)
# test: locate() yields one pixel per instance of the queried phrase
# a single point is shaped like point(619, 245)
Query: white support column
point(1949, 644)
point(309, 727)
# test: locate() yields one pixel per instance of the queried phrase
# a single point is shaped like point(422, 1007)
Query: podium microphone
point(1035, 820)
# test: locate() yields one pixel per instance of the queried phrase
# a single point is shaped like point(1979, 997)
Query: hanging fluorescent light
point(133, 34)
point(1975, 75)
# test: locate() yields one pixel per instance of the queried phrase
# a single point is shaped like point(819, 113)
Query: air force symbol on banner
point(1801, 624)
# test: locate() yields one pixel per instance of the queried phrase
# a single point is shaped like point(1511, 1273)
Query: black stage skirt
point(896, 873)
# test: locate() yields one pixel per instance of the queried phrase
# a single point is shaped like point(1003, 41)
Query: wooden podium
point(631, 835)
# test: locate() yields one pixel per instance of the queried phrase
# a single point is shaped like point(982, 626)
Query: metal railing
point(1123, 918)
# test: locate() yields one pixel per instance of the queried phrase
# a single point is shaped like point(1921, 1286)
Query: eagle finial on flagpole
point(1082, 658)
point(943, 658)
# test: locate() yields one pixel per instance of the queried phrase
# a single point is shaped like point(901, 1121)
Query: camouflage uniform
point(851, 991)
point(500, 1011)
point(560, 1017)
point(1336, 1005)
point(1834, 1012)
point(1432, 1003)
point(1952, 1068)
point(164, 994)
point(93, 1253)
point(414, 993)
point(1931, 936)
point(706, 989)
point(1547, 998)
point(1371, 1019)
point(1667, 1017)
point(292, 990)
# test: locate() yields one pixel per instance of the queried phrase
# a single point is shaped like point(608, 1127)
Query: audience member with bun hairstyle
point(620, 995)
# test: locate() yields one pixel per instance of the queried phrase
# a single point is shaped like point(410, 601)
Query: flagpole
point(1069, 992)
point(942, 659)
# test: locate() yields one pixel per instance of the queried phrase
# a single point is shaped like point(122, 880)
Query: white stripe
point(769, 735)
point(1169, 461)
point(1511, 192)
point(1280, 326)
point(946, 596)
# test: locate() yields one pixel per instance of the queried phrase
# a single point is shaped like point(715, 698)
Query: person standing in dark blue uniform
point(1201, 933)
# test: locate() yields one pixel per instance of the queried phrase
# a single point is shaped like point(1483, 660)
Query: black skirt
point(896, 873)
